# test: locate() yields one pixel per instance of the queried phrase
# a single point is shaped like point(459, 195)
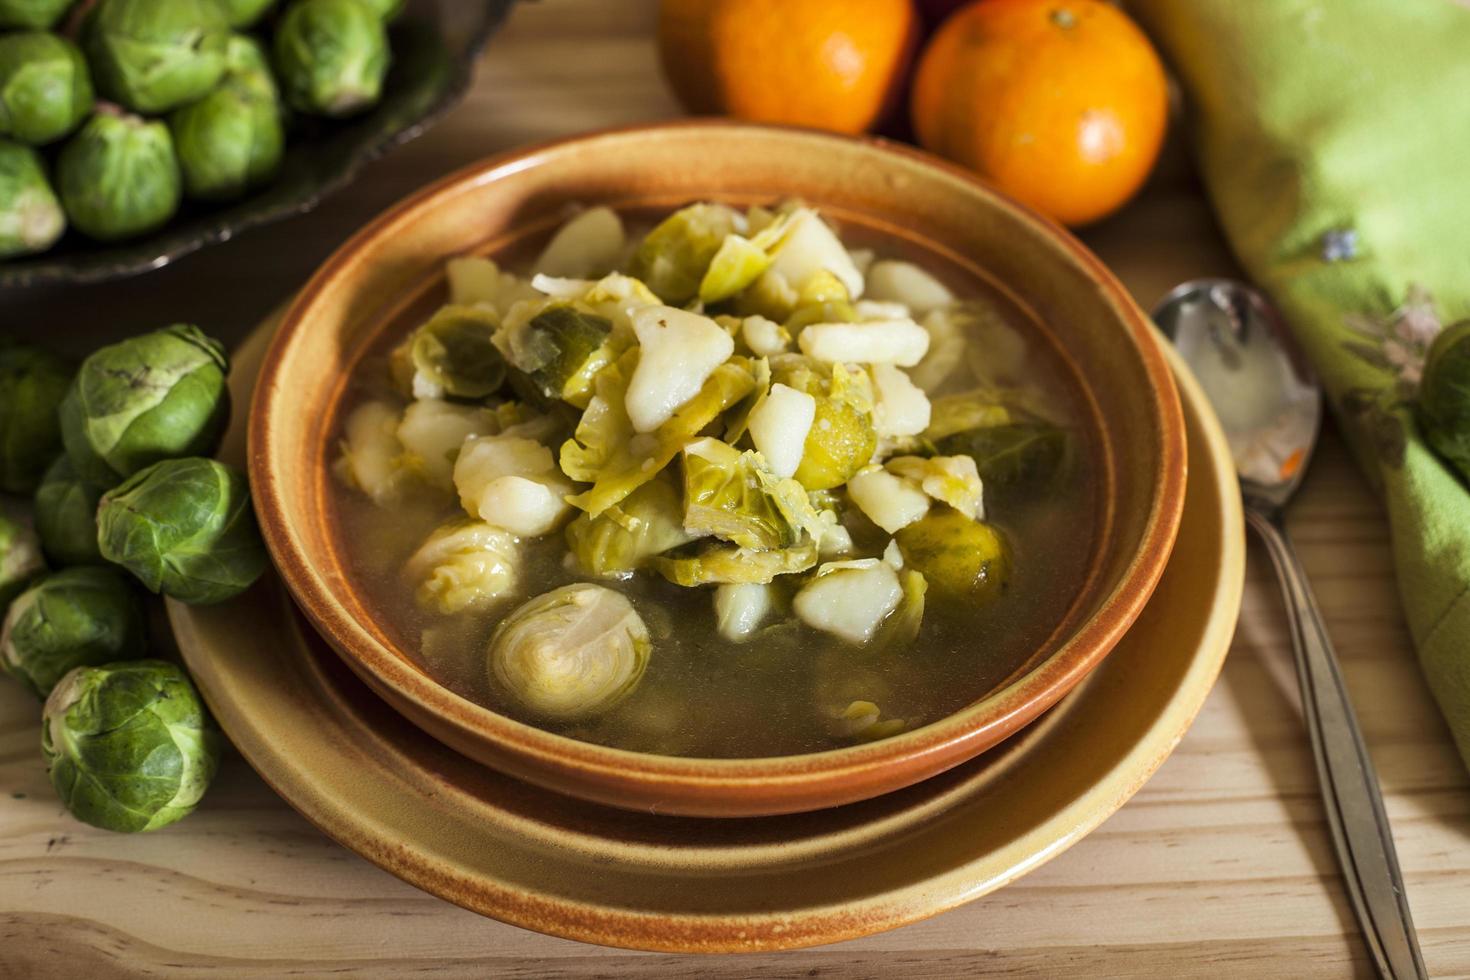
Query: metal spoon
point(1271, 407)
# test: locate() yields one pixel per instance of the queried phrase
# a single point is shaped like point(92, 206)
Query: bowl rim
point(932, 747)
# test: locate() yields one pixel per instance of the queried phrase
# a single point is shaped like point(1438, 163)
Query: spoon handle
point(1360, 828)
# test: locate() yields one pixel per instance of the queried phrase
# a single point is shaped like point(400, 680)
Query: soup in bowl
point(747, 489)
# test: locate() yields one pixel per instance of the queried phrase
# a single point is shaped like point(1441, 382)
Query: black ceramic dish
point(435, 45)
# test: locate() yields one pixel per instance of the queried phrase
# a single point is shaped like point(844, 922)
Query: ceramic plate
point(530, 857)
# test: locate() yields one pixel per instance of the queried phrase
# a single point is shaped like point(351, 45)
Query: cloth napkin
point(1334, 139)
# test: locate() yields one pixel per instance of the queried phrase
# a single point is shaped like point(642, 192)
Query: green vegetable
point(33, 383)
point(118, 177)
point(45, 88)
point(842, 438)
point(248, 65)
point(1444, 396)
point(1010, 455)
point(331, 56)
point(386, 10)
point(463, 565)
point(571, 652)
point(77, 617)
point(156, 55)
point(722, 564)
point(961, 560)
point(243, 13)
point(20, 558)
point(620, 465)
point(620, 540)
point(129, 746)
point(31, 219)
point(562, 349)
point(734, 496)
point(66, 515)
point(453, 353)
point(185, 528)
point(34, 14)
point(230, 140)
point(674, 257)
point(156, 396)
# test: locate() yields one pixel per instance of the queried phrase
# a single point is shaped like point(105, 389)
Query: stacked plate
point(460, 829)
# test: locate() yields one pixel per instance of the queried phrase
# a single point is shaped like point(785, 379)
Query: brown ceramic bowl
point(944, 214)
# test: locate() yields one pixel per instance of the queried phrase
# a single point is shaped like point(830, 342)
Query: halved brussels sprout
point(331, 56)
point(620, 540)
point(77, 617)
point(734, 496)
point(31, 219)
point(156, 55)
point(129, 746)
point(842, 438)
point(720, 564)
point(20, 558)
point(185, 528)
point(639, 459)
point(119, 176)
point(604, 427)
point(463, 565)
point(33, 383)
point(571, 652)
point(675, 255)
point(45, 88)
point(962, 560)
point(34, 14)
point(1011, 455)
point(562, 349)
point(66, 515)
point(1444, 396)
point(452, 355)
point(156, 396)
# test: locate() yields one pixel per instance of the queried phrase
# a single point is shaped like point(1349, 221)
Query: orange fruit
point(830, 64)
point(1060, 103)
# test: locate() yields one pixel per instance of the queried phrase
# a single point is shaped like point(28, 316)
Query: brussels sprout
point(842, 438)
point(722, 564)
point(156, 55)
point(156, 396)
point(45, 90)
point(571, 652)
point(243, 13)
point(185, 528)
point(77, 617)
point(66, 515)
point(620, 540)
point(31, 219)
point(1444, 396)
point(962, 560)
point(463, 565)
point(1010, 455)
point(247, 65)
point(118, 177)
point(675, 255)
point(33, 383)
point(561, 349)
point(733, 495)
point(129, 746)
point(331, 56)
point(34, 14)
point(20, 558)
point(452, 355)
point(229, 141)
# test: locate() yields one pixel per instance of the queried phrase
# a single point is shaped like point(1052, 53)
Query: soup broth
point(787, 686)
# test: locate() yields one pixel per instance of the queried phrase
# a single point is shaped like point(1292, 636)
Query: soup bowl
point(929, 208)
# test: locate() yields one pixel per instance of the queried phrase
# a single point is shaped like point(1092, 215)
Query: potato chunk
point(780, 425)
point(586, 247)
point(850, 599)
point(901, 342)
point(432, 431)
point(740, 608)
point(901, 408)
point(906, 283)
point(512, 483)
point(679, 350)
point(889, 501)
point(371, 457)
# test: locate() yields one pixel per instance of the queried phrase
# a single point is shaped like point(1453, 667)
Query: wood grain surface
point(1221, 866)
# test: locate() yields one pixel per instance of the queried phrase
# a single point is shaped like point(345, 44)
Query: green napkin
point(1334, 139)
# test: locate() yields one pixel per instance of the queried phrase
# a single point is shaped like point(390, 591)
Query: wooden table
point(1220, 866)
